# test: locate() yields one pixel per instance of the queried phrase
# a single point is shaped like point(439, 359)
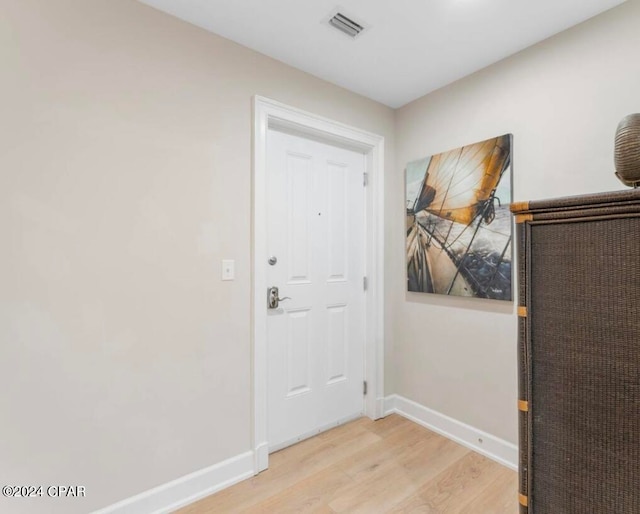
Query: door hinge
point(365, 283)
point(365, 179)
point(364, 388)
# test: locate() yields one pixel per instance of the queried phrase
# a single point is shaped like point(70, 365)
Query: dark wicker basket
point(579, 353)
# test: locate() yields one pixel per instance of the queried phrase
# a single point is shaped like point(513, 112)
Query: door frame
point(272, 114)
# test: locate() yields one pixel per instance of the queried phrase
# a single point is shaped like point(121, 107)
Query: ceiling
point(409, 47)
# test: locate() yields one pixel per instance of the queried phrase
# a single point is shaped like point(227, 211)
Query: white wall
point(125, 178)
point(562, 100)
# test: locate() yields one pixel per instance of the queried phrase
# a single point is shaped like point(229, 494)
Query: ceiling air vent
point(348, 26)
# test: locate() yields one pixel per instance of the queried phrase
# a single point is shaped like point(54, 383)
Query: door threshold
point(313, 433)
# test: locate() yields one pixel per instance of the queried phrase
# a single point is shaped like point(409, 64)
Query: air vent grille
point(346, 25)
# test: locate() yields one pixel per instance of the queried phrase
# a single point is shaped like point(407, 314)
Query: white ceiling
point(410, 48)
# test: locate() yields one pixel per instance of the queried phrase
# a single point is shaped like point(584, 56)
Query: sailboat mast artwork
point(458, 224)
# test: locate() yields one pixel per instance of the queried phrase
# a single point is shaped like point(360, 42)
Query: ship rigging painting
point(458, 221)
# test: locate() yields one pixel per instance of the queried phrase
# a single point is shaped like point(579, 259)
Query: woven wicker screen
point(580, 356)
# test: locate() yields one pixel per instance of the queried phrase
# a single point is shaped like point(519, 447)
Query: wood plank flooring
point(387, 466)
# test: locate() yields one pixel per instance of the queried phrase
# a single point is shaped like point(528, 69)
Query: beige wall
point(562, 100)
point(125, 178)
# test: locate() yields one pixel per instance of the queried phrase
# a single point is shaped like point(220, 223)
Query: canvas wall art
point(458, 223)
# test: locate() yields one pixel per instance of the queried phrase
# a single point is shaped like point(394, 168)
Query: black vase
point(627, 150)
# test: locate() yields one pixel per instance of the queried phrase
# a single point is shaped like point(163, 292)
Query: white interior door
point(316, 235)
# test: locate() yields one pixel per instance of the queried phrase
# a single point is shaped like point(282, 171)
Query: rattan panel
point(584, 376)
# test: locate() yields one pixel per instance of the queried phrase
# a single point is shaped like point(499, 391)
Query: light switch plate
point(228, 269)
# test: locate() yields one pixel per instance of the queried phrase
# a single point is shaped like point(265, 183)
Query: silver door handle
point(272, 298)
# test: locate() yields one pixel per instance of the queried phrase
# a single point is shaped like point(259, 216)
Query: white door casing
point(315, 338)
point(271, 114)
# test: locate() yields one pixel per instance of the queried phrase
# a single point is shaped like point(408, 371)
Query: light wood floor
point(390, 465)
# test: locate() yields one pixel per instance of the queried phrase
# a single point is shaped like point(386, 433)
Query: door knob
point(272, 298)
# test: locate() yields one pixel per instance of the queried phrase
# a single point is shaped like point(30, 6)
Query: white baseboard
point(381, 409)
point(187, 489)
point(261, 457)
point(497, 449)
